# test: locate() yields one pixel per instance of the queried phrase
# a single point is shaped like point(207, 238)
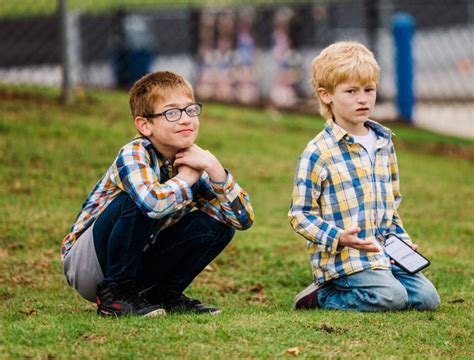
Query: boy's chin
point(185, 145)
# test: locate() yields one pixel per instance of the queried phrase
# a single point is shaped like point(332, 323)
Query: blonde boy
point(346, 195)
point(136, 246)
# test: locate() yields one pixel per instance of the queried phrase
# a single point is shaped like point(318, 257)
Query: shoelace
point(185, 300)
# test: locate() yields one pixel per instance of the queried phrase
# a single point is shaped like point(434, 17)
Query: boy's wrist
point(215, 171)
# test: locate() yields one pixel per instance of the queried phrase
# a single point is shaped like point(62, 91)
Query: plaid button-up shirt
point(152, 183)
point(337, 187)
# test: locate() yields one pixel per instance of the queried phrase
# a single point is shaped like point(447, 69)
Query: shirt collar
point(339, 133)
point(162, 160)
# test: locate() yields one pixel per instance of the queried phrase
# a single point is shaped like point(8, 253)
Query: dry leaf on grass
point(209, 268)
point(294, 350)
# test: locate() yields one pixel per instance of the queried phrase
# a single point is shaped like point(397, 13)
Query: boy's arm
point(396, 226)
point(304, 211)
point(218, 193)
point(133, 174)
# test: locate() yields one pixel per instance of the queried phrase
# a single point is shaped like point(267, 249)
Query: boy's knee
point(427, 299)
point(393, 297)
point(226, 233)
point(221, 232)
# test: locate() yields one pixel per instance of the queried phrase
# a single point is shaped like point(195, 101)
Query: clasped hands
point(192, 161)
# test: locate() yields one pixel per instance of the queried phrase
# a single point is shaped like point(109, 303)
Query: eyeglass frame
point(180, 114)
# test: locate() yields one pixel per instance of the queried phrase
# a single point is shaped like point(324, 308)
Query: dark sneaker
point(182, 303)
point(118, 299)
point(307, 298)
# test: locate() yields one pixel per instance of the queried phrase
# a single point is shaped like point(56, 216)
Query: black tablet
point(404, 256)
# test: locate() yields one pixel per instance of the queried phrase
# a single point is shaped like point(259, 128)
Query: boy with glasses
point(346, 195)
point(136, 245)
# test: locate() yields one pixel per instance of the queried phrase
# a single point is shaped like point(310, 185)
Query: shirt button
point(239, 212)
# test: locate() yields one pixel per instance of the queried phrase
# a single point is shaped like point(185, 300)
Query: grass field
point(51, 156)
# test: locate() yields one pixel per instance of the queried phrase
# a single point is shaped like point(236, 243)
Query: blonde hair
point(341, 62)
point(155, 87)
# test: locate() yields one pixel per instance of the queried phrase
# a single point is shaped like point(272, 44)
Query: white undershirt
point(368, 142)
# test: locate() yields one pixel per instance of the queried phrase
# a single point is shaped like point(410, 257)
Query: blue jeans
point(178, 255)
point(379, 290)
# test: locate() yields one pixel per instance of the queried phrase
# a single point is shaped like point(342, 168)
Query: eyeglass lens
point(175, 114)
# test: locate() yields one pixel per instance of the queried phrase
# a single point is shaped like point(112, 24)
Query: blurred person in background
point(246, 90)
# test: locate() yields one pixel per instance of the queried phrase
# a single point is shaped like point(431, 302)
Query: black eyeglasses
point(174, 114)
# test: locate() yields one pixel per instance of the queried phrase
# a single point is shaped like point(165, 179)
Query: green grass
point(51, 156)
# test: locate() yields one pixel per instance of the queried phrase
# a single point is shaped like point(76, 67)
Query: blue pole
point(403, 27)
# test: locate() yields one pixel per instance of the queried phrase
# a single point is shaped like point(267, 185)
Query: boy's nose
point(362, 98)
point(185, 118)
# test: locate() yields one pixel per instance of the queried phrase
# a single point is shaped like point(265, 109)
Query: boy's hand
point(189, 174)
point(349, 238)
point(201, 160)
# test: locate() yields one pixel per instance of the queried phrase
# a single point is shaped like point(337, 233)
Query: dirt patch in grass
point(327, 328)
point(215, 281)
point(256, 294)
point(442, 149)
point(27, 95)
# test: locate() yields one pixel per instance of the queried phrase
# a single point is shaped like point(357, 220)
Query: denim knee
point(221, 232)
point(426, 299)
point(225, 233)
point(393, 297)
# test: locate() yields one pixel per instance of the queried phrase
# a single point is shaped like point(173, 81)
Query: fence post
point(372, 16)
point(403, 29)
point(66, 88)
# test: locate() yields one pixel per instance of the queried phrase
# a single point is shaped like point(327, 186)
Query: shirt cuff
point(225, 190)
point(332, 240)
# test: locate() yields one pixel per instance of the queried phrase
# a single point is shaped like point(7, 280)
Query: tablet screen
point(404, 255)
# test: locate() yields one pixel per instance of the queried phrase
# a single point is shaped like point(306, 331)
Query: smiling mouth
point(185, 132)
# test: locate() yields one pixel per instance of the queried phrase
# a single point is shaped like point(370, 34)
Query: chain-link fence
point(234, 53)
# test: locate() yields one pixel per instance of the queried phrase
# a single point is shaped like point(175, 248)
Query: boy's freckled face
point(352, 104)
point(170, 137)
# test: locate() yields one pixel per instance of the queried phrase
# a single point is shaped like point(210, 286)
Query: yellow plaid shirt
point(337, 187)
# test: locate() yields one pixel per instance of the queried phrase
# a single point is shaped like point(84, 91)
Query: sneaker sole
point(217, 312)
point(155, 313)
point(303, 293)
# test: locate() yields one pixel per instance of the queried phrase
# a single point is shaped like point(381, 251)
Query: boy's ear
point(142, 125)
point(324, 96)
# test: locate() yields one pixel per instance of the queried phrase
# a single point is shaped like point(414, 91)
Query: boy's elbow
point(154, 210)
point(292, 217)
point(295, 220)
point(244, 225)
point(245, 220)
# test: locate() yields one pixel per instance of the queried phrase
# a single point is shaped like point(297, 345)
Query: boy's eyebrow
point(175, 105)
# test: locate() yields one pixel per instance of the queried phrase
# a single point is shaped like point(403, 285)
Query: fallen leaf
point(209, 268)
point(294, 350)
